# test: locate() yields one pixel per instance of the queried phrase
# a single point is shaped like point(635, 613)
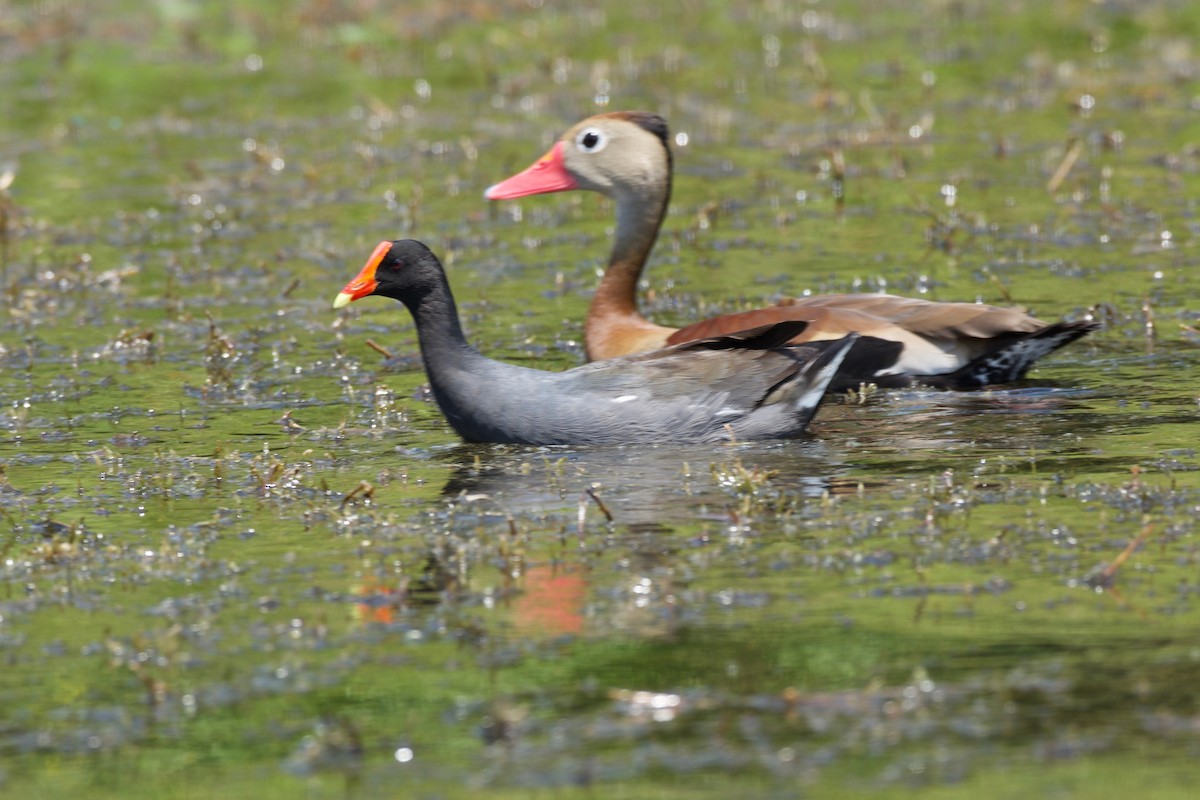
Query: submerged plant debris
point(243, 554)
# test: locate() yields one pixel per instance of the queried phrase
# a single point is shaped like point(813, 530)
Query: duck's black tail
point(1011, 362)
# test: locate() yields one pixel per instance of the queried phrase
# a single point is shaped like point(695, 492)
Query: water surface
point(245, 555)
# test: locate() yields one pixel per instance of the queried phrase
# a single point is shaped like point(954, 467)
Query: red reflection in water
point(379, 602)
point(552, 601)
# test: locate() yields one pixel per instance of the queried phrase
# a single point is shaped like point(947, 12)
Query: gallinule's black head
point(403, 270)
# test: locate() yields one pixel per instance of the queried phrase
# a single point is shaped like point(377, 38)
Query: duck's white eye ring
point(591, 140)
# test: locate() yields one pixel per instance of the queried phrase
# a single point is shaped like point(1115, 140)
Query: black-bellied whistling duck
point(627, 156)
point(742, 387)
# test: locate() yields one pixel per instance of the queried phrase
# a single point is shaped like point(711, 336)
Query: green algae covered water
point(242, 554)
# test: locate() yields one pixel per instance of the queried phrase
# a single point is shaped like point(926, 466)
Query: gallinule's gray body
point(739, 387)
point(626, 156)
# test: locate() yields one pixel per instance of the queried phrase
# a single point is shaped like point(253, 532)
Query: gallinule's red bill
point(737, 387)
point(627, 156)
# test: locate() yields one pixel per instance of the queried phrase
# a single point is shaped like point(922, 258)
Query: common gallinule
point(738, 387)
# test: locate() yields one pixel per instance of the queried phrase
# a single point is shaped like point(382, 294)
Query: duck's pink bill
point(547, 174)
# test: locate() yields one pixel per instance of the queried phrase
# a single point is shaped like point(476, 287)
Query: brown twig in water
point(364, 488)
point(378, 348)
point(919, 611)
point(1106, 575)
point(837, 164)
point(999, 285)
point(591, 492)
point(289, 425)
point(1074, 149)
point(508, 517)
point(8, 213)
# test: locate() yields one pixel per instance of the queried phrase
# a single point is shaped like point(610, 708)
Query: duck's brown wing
point(938, 320)
point(935, 338)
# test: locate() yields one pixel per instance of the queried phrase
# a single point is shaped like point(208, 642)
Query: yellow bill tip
point(342, 300)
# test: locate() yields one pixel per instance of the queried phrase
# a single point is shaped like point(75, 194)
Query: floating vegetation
point(241, 550)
